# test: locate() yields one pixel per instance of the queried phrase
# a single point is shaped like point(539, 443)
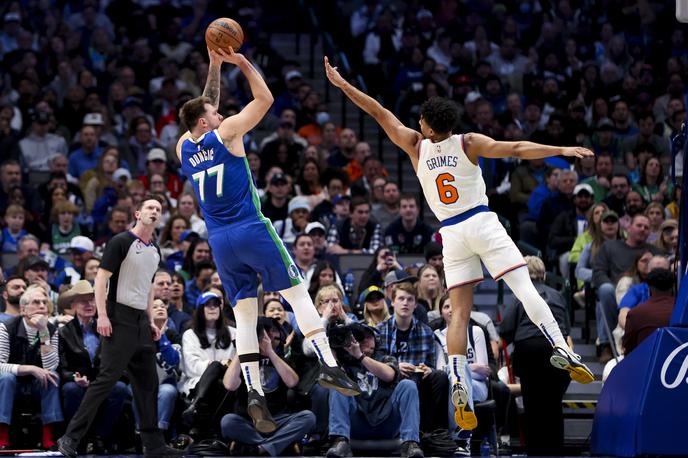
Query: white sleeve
point(480, 346)
point(195, 359)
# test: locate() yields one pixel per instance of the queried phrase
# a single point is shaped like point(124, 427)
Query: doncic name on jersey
point(201, 156)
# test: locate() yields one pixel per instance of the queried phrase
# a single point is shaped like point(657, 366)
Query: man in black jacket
point(80, 360)
point(357, 233)
point(569, 225)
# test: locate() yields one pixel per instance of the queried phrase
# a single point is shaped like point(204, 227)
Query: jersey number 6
point(218, 170)
point(448, 193)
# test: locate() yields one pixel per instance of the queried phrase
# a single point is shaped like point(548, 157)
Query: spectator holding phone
point(384, 261)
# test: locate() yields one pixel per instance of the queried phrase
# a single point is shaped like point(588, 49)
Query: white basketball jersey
point(451, 183)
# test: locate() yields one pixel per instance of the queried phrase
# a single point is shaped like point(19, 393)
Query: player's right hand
point(103, 326)
point(577, 151)
point(228, 55)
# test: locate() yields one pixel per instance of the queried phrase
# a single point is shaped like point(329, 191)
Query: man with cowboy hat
point(80, 361)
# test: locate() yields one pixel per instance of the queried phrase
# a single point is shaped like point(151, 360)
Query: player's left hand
point(228, 55)
point(333, 75)
point(155, 331)
point(577, 151)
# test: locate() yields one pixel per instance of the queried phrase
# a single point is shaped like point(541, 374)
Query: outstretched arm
point(405, 138)
point(252, 113)
point(478, 145)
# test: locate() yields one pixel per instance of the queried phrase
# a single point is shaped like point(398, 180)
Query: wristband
point(360, 360)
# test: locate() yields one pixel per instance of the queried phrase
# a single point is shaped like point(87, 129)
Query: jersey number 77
point(447, 192)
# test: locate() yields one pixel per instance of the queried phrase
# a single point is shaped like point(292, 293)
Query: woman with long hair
point(668, 238)
point(430, 290)
point(198, 251)
point(594, 216)
point(309, 182)
point(324, 274)
point(636, 274)
point(170, 237)
point(207, 349)
point(608, 229)
point(179, 311)
point(382, 263)
point(375, 309)
point(655, 214)
point(329, 302)
point(94, 186)
point(653, 185)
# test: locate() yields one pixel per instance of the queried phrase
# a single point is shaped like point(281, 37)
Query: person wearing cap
point(289, 99)
point(375, 309)
point(603, 139)
point(29, 360)
point(124, 300)
point(668, 238)
point(70, 271)
point(316, 230)
point(341, 209)
point(569, 225)
point(275, 203)
point(156, 164)
point(14, 286)
point(288, 228)
point(85, 157)
point(80, 361)
point(277, 378)
point(408, 234)
point(444, 162)
point(207, 348)
point(40, 145)
point(34, 269)
point(356, 234)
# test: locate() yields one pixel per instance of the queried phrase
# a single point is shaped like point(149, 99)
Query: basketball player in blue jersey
point(447, 168)
point(244, 242)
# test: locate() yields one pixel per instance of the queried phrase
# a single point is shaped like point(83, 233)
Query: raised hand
point(333, 75)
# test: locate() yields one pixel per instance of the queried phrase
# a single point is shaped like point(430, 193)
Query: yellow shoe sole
point(580, 374)
point(465, 418)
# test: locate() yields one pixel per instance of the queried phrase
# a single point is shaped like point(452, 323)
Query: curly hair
point(442, 115)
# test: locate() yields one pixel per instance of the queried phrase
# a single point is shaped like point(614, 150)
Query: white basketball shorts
point(479, 238)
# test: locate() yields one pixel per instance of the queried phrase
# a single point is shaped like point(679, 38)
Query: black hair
point(660, 279)
point(315, 278)
point(188, 265)
point(223, 338)
point(442, 115)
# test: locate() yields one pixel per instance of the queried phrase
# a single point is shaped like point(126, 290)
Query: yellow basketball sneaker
point(463, 414)
point(563, 358)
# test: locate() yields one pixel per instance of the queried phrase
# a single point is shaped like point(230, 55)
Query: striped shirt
point(50, 360)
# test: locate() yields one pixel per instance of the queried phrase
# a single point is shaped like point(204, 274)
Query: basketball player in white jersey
point(448, 171)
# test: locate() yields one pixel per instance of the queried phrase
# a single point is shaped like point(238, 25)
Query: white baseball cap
point(81, 244)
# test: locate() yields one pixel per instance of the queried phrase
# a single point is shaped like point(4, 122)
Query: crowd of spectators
point(89, 96)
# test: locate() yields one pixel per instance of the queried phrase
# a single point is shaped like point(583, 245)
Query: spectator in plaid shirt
point(357, 233)
point(411, 343)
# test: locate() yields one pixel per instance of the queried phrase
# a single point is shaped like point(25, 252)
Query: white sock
point(535, 306)
point(457, 368)
point(246, 316)
point(309, 321)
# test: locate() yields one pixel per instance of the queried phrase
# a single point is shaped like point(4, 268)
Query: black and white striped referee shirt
point(133, 264)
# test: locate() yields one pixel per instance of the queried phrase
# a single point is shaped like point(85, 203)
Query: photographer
point(387, 406)
point(276, 377)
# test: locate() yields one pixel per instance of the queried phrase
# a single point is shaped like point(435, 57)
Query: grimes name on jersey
point(442, 161)
point(202, 155)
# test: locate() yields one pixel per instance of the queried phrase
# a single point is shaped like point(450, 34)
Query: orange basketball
point(223, 33)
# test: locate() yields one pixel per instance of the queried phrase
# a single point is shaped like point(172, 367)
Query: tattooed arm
point(212, 84)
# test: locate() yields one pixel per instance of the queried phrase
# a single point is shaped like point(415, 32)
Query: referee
point(126, 323)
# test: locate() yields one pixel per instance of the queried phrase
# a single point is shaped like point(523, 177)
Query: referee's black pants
point(543, 388)
point(130, 347)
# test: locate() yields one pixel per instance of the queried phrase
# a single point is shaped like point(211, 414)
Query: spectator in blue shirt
point(411, 342)
point(86, 157)
point(640, 292)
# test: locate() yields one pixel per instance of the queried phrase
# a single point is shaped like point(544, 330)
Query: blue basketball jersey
point(223, 182)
